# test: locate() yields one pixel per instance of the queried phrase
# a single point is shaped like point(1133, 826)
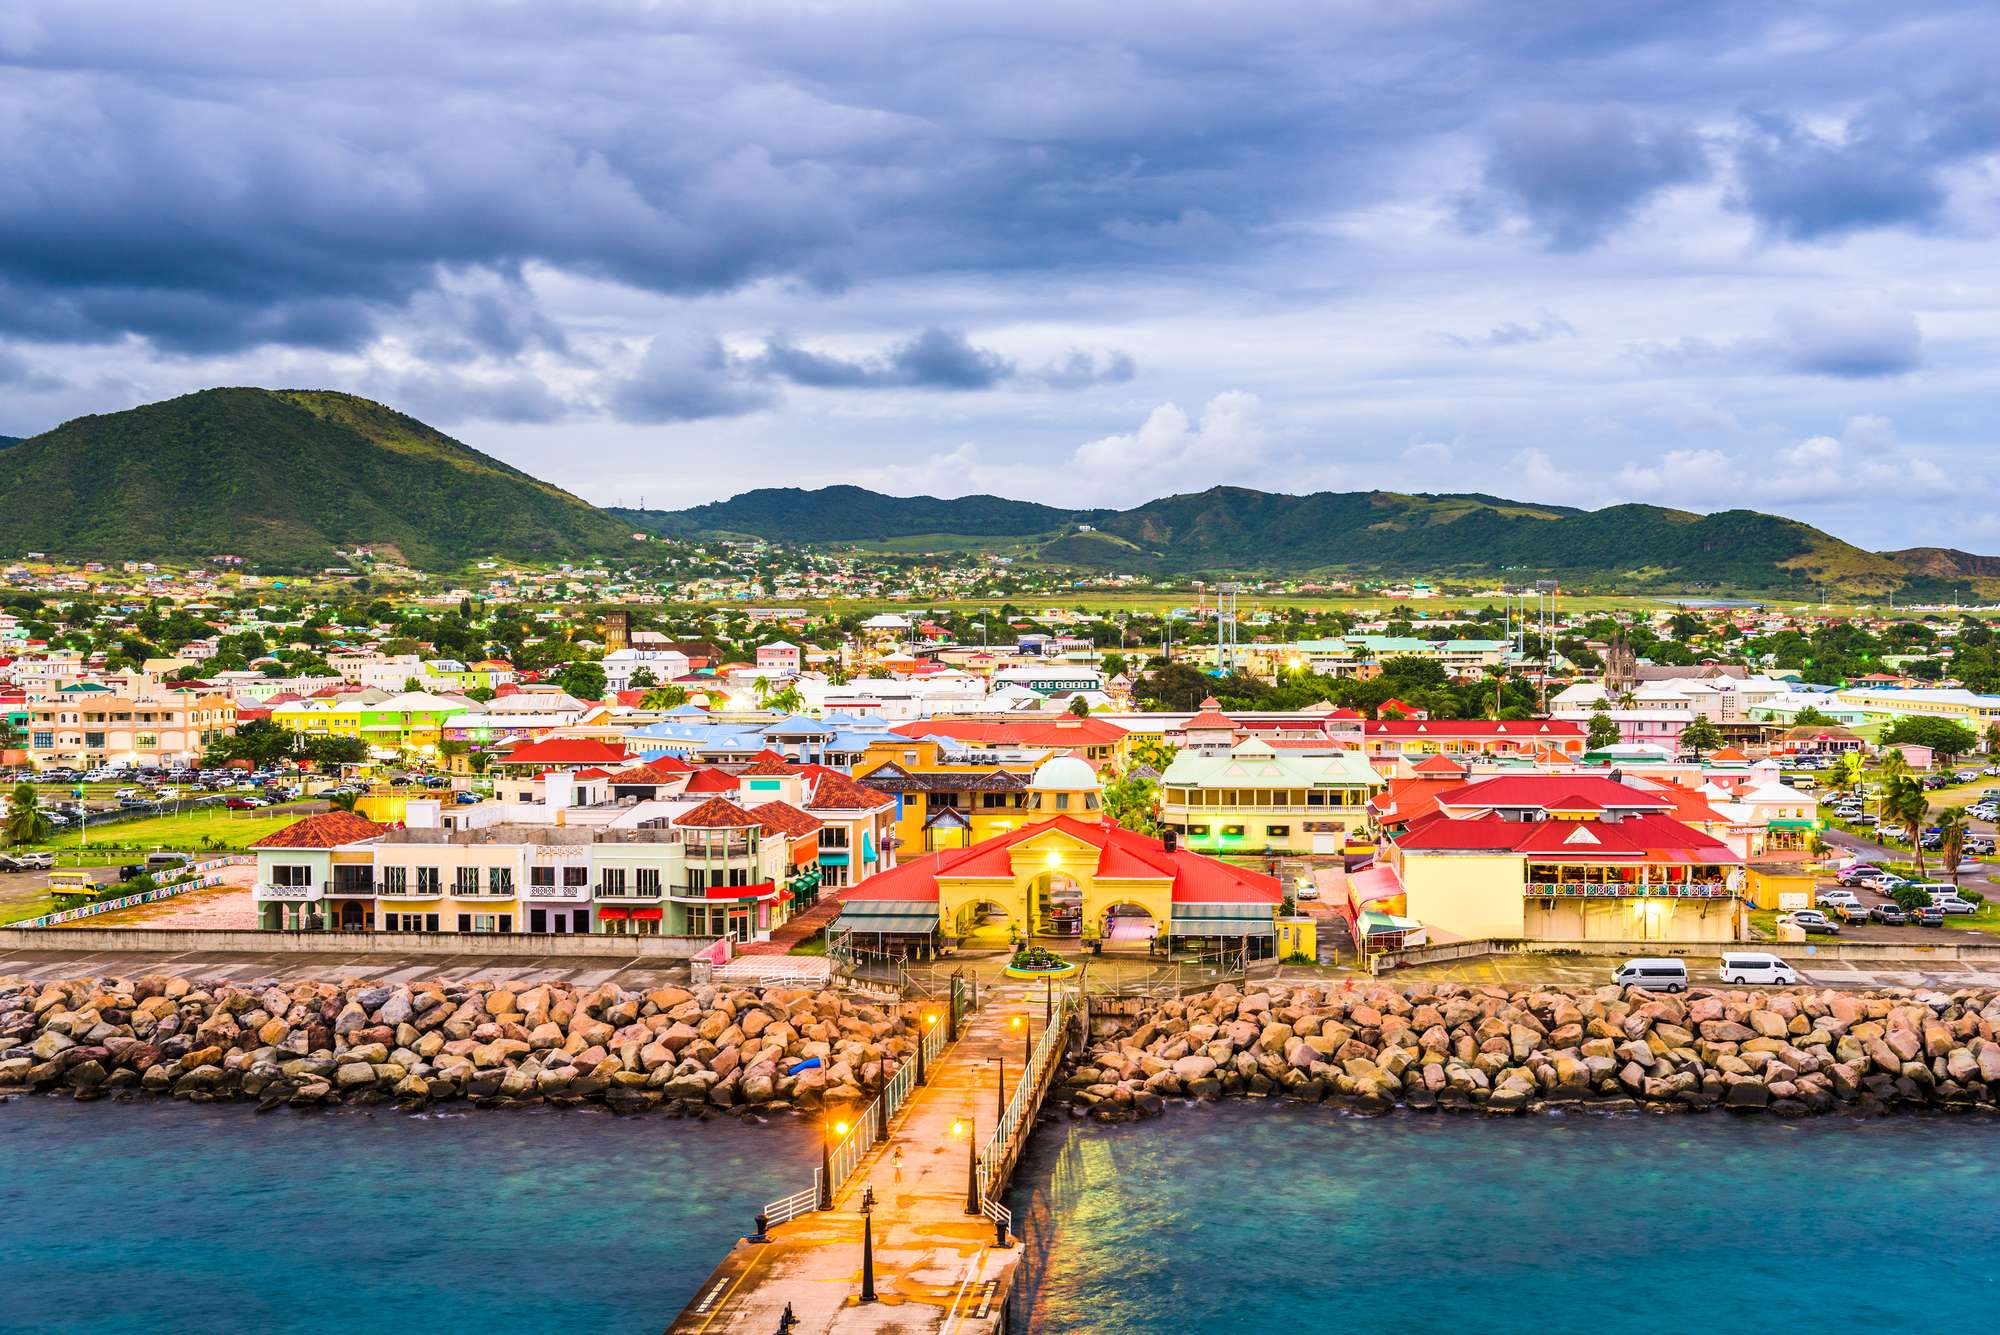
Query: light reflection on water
point(1267, 1218)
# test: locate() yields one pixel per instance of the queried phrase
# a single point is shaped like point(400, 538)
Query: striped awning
point(1222, 920)
point(892, 916)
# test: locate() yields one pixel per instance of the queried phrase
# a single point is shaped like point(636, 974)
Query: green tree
point(260, 741)
point(1153, 753)
point(582, 679)
point(343, 801)
point(1603, 731)
point(1946, 739)
point(1133, 802)
point(664, 697)
point(1993, 739)
point(1701, 736)
point(27, 823)
point(1845, 774)
point(642, 678)
point(785, 700)
point(1810, 717)
point(1112, 665)
point(1079, 706)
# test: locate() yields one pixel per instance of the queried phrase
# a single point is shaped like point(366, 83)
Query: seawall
point(1792, 1051)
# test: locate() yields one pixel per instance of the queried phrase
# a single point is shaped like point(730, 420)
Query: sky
point(1708, 255)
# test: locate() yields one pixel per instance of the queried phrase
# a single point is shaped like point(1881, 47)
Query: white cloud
point(1864, 466)
point(1169, 452)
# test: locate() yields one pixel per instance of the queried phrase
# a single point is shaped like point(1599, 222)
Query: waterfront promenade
point(936, 1267)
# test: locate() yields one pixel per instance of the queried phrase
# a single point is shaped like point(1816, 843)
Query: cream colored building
point(88, 727)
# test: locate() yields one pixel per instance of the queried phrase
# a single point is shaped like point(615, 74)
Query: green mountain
point(6, 441)
point(1234, 530)
point(283, 478)
point(855, 514)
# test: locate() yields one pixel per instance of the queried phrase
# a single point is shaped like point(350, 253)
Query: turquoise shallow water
point(174, 1219)
point(1248, 1219)
point(1262, 1219)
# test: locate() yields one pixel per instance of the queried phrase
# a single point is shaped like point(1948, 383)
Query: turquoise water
point(174, 1219)
point(1262, 1219)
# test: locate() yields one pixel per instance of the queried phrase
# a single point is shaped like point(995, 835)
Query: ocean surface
point(173, 1219)
point(1268, 1219)
point(177, 1219)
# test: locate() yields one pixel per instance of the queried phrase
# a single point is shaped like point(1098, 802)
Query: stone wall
point(418, 945)
point(697, 1051)
point(1792, 1051)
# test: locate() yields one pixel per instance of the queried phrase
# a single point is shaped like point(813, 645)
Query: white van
point(1945, 895)
point(1753, 967)
point(1653, 975)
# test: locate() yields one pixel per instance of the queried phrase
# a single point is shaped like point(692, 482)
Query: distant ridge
point(1239, 530)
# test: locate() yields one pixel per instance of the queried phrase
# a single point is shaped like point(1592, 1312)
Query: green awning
point(1373, 924)
point(1791, 823)
point(1221, 920)
point(889, 924)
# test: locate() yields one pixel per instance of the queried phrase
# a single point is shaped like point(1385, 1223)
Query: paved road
point(1589, 970)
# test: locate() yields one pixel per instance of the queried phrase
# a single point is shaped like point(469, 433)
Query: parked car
point(1927, 915)
point(1858, 874)
point(1745, 967)
point(1836, 897)
point(468, 799)
point(1812, 922)
point(1863, 818)
point(1853, 913)
point(243, 803)
point(35, 861)
point(1891, 914)
point(1658, 975)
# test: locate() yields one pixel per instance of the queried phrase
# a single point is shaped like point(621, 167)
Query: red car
point(242, 803)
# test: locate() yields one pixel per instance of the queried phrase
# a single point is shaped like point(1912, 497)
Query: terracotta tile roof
point(717, 813)
point(666, 769)
point(834, 791)
point(770, 762)
point(784, 818)
point(329, 829)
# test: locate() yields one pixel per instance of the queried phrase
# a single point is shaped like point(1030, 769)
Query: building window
point(648, 880)
point(500, 880)
point(576, 876)
point(614, 880)
point(465, 881)
point(395, 880)
point(291, 874)
point(542, 876)
point(430, 881)
point(1278, 831)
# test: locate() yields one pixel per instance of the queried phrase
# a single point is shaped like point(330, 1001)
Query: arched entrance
point(1128, 925)
point(1055, 904)
point(984, 924)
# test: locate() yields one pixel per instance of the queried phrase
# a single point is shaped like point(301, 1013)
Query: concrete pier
point(936, 1268)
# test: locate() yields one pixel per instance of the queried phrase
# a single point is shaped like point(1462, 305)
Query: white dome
point(1063, 774)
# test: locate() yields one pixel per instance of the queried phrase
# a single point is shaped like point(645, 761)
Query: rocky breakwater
point(693, 1051)
point(1791, 1052)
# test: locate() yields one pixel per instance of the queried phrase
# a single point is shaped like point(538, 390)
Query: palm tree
point(1894, 768)
point(1846, 774)
point(343, 801)
point(27, 823)
point(1953, 826)
point(785, 700)
point(664, 697)
point(1903, 801)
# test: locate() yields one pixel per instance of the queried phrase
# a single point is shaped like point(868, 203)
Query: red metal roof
point(1555, 792)
point(566, 751)
point(1063, 730)
point(1121, 855)
point(709, 779)
point(1645, 838)
point(1527, 728)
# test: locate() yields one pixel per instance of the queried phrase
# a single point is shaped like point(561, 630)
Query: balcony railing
point(289, 891)
point(1627, 890)
point(339, 888)
point(577, 892)
point(628, 892)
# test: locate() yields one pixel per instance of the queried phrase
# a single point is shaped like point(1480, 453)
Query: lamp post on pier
point(868, 1244)
point(971, 1165)
point(826, 1164)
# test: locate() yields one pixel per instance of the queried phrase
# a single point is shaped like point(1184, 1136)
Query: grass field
point(184, 831)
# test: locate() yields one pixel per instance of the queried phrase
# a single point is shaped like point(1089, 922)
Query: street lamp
point(826, 1164)
point(971, 1165)
point(1000, 1090)
point(923, 1041)
point(868, 1243)
point(1027, 1042)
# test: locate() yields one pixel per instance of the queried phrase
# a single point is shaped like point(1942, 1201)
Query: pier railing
point(995, 1161)
point(866, 1131)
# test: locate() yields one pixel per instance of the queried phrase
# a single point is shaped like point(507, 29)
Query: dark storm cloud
point(688, 379)
point(935, 358)
point(1884, 168)
point(1577, 175)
